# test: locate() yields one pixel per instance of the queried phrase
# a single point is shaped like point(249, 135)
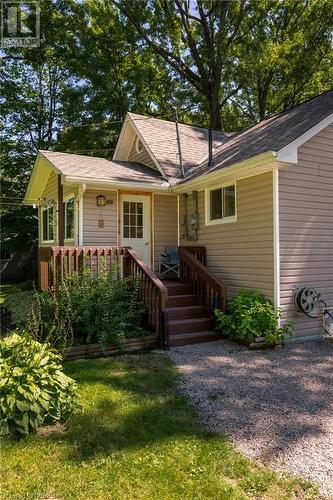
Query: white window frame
point(223, 220)
point(66, 198)
point(45, 208)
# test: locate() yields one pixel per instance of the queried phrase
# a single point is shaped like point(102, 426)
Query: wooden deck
point(179, 312)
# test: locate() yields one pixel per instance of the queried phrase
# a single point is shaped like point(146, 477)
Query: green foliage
point(88, 308)
point(50, 319)
point(34, 390)
point(19, 305)
point(251, 315)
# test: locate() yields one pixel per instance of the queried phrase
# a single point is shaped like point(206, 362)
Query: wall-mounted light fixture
point(100, 200)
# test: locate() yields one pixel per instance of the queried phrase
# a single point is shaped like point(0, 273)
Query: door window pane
point(216, 204)
point(229, 206)
point(132, 219)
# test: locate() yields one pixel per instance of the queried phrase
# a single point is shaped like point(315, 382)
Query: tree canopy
point(222, 63)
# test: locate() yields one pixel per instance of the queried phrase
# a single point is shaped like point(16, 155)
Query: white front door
point(135, 228)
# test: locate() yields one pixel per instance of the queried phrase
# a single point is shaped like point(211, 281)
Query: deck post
point(44, 254)
point(61, 218)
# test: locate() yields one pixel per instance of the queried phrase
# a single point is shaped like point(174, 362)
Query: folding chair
point(169, 262)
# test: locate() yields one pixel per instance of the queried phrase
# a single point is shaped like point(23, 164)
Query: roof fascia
point(105, 183)
point(120, 138)
point(37, 165)
point(289, 153)
point(256, 165)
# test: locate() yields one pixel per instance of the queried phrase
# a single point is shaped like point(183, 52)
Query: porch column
point(61, 218)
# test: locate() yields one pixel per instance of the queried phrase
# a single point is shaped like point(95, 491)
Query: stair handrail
point(153, 293)
point(210, 289)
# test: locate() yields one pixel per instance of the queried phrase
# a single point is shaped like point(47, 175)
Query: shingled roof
point(161, 138)
point(90, 167)
point(272, 134)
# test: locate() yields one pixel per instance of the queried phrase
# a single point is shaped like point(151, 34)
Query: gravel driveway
point(276, 405)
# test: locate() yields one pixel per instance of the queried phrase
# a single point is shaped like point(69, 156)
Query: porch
point(179, 311)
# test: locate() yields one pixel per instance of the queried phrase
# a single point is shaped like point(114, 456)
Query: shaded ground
point(276, 405)
point(135, 438)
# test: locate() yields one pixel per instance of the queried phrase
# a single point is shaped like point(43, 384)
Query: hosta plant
point(249, 316)
point(33, 388)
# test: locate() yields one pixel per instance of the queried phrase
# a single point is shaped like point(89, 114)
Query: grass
point(135, 438)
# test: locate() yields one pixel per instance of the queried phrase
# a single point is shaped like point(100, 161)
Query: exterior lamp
point(100, 200)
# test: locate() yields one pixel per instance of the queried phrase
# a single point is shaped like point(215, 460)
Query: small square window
point(222, 204)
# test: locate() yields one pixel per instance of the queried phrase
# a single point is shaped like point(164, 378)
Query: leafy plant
point(88, 308)
point(251, 315)
point(18, 305)
point(34, 389)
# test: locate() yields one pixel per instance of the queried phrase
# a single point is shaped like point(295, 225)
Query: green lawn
point(135, 438)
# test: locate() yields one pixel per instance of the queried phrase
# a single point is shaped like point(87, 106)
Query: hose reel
point(308, 301)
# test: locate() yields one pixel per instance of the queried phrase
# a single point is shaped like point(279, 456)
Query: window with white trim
point(221, 204)
point(69, 210)
point(48, 223)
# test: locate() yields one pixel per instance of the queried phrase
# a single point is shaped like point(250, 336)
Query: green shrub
point(33, 389)
point(18, 305)
point(88, 308)
point(251, 315)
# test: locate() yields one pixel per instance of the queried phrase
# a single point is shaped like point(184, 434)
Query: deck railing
point(55, 263)
point(153, 294)
point(209, 289)
point(198, 251)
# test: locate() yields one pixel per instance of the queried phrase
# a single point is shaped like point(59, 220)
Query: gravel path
point(276, 405)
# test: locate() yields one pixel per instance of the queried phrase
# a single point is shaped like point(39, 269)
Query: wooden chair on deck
point(169, 262)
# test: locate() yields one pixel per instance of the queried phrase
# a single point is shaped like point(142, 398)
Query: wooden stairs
point(186, 319)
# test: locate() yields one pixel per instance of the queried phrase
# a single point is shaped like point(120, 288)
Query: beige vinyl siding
point(165, 224)
point(92, 234)
point(142, 157)
point(306, 227)
point(241, 252)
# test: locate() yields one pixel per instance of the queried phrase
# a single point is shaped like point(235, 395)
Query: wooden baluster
point(97, 261)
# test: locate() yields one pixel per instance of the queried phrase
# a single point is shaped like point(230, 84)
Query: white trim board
point(276, 237)
point(289, 153)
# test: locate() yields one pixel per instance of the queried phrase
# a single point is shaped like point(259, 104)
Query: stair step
point(176, 288)
point(182, 300)
point(184, 312)
point(193, 338)
point(180, 326)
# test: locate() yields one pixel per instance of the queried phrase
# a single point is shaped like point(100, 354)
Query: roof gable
point(160, 138)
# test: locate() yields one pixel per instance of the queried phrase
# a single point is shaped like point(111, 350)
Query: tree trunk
point(214, 105)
